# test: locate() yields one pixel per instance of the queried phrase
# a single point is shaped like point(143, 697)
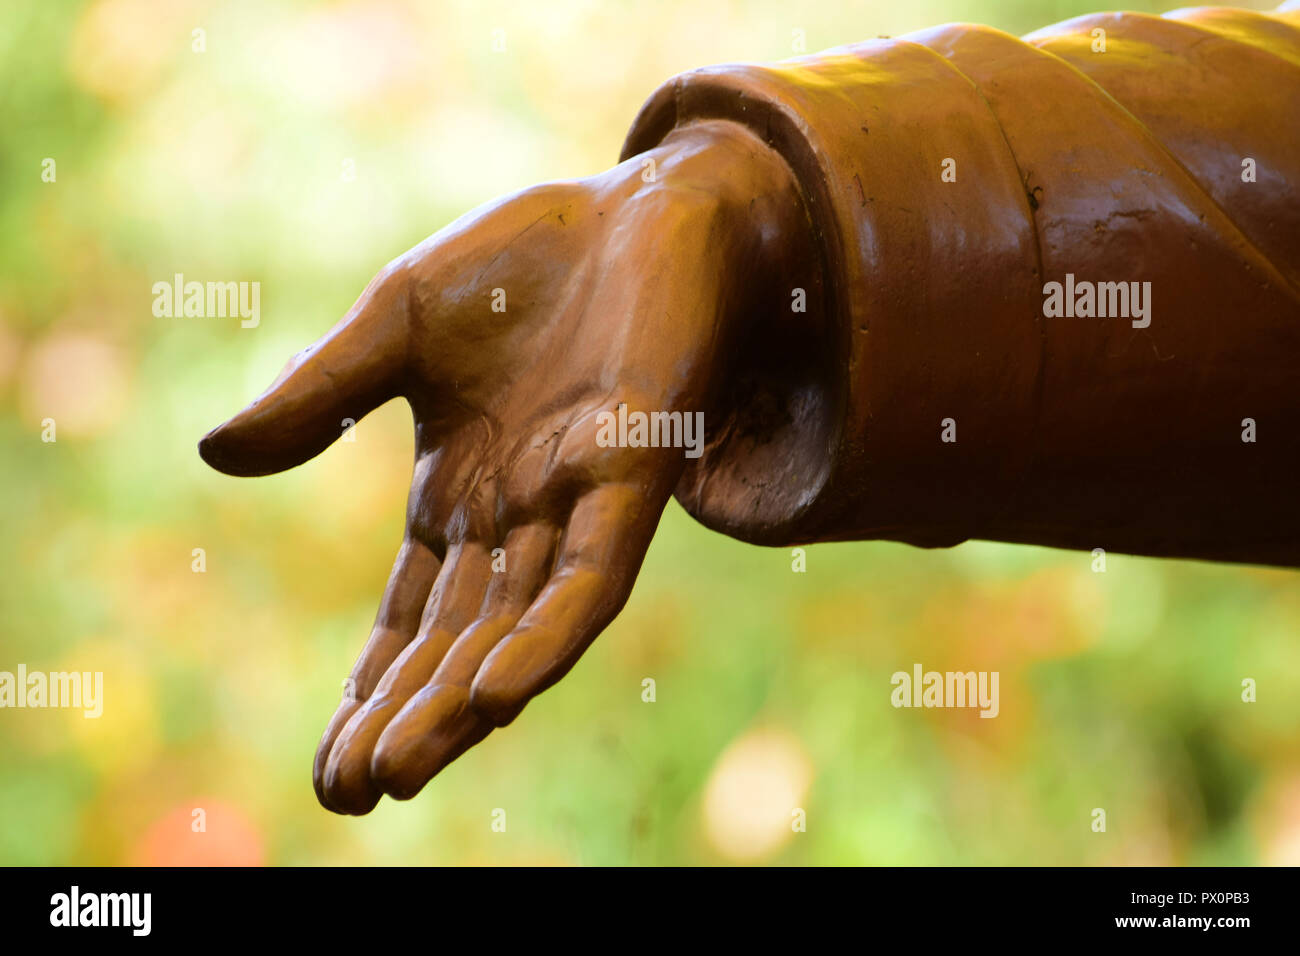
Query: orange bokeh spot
point(201, 833)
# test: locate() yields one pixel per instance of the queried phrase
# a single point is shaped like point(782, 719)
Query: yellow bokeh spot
point(755, 795)
point(125, 735)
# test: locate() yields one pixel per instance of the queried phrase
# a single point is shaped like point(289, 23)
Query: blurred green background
point(1119, 690)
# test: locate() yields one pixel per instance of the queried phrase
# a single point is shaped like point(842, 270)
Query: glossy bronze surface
point(842, 264)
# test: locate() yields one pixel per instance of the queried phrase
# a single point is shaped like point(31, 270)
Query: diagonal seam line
point(1040, 371)
point(1150, 137)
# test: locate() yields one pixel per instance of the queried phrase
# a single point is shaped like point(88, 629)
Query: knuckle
point(497, 704)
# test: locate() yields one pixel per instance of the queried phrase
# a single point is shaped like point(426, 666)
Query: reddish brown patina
point(880, 274)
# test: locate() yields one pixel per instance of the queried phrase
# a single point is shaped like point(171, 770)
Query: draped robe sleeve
point(1123, 166)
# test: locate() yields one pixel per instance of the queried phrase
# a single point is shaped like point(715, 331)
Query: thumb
point(354, 368)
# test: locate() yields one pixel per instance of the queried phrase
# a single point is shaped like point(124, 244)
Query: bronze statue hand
point(790, 251)
point(509, 333)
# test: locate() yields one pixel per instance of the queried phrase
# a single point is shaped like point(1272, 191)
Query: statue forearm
point(939, 387)
point(861, 268)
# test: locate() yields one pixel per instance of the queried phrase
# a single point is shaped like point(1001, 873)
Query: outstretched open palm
point(509, 333)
